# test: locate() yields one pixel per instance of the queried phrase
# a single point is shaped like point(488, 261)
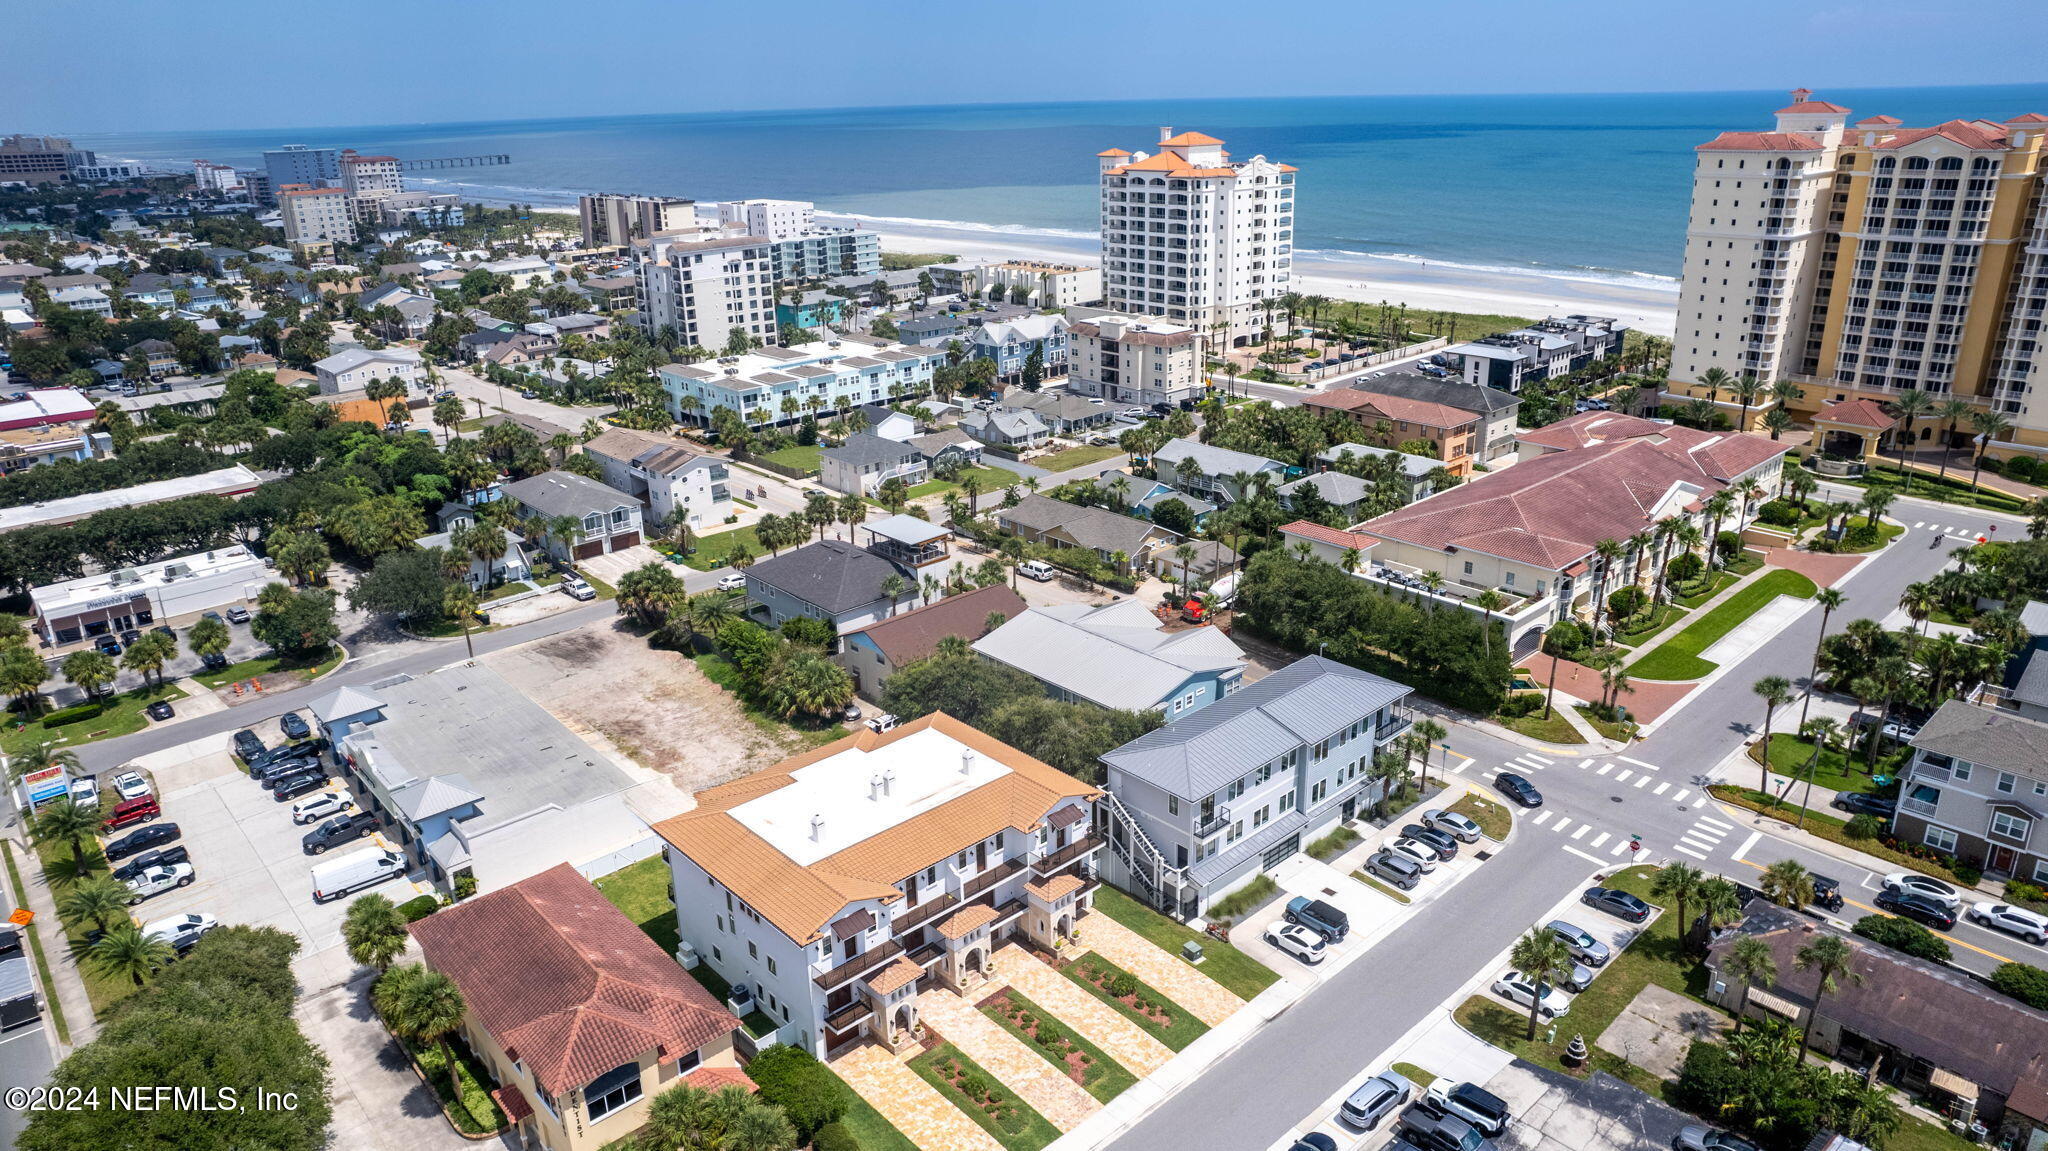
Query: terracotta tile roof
point(1424, 412)
point(801, 900)
point(967, 919)
point(1760, 142)
point(1060, 885)
point(1978, 135)
point(1112, 152)
point(1589, 428)
point(1335, 537)
point(895, 975)
point(1879, 122)
point(565, 982)
point(1188, 140)
point(1858, 414)
point(1551, 510)
point(2029, 118)
point(916, 634)
point(512, 1100)
point(719, 1078)
point(1811, 107)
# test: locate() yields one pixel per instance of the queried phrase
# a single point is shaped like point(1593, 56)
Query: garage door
point(592, 548)
point(622, 542)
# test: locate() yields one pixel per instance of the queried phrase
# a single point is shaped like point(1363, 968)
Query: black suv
point(162, 857)
point(143, 840)
point(248, 745)
point(1441, 1133)
point(1445, 846)
point(1863, 803)
point(294, 725)
point(337, 831)
point(287, 779)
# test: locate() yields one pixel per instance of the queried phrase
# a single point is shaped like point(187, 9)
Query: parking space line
point(1599, 839)
point(1583, 829)
point(1604, 769)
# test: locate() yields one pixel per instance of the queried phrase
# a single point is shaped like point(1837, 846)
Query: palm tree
point(1776, 692)
point(1952, 411)
point(374, 930)
point(892, 590)
point(421, 1006)
point(1680, 883)
point(1542, 956)
point(40, 757)
point(74, 823)
point(1988, 426)
point(101, 898)
point(1829, 599)
point(1430, 733)
point(1918, 602)
point(1787, 883)
point(1488, 602)
point(1748, 390)
point(1820, 731)
point(1911, 406)
point(1752, 963)
point(1610, 552)
point(1717, 508)
point(127, 951)
point(1833, 959)
point(90, 670)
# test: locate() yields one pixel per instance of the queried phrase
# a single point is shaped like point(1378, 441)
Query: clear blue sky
point(112, 65)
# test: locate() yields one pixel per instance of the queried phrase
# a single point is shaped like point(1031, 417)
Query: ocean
point(1586, 187)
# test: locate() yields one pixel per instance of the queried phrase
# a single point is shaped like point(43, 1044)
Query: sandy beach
point(1649, 305)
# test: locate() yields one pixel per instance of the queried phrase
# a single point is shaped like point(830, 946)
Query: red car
point(133, 811)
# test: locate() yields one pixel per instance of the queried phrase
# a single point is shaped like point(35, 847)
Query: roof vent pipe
point(966, 761)
point(817, 828)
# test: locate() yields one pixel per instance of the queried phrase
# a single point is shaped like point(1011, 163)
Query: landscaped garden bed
point(983, 1098)
point(1136, 1000)
point(1678, 658)
point(1242, 975)
point(1062, 1046)
point(1493, 819)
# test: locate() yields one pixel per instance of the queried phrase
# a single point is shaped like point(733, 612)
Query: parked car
point(1415, 850)
point(131, 785)
point(2028, 925)
point(213, 661)
point(132, 811)
point(1520, 989)
point(291, 769)
point(355, 871)
point(881, 723)
point(1296, 940)
point(1699, 1137)
point(158, 880)
point(575, 588)
point(274, 765)
point(1452, 824)
point(1474, 1104)
point(1375, 1099)
point(1518, 789)
point(1445, 846)
point(294, 725)
point(732, 581)
point(1863, 803)
point(528, 394)
point(1922, 909)
point(1427, 1132)
point(852, 714)
point(162, 857)
point(1583, 946)
point(294, 786)
point(85, 791)
point(1313, 1141)
point(107, 645)
point(1934, 889)
point(1329, 922)
point(338, 830)
point(212, 615)
point(160, 710)
point(1616, 902)
point(137, 842)
point(321, 806)
point(247, 744)
point(181, 931)
point(1038, 570)
point(444, 394)
point(1398, 870)
point(129, 636)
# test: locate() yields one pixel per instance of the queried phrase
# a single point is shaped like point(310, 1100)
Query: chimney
point(817, 828)
point(1165, 134)
point(966, 761)
point(888, 781)
point(875, 787)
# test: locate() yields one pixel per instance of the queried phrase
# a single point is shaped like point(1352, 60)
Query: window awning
point(1776, 1004)
point(1952, 1083)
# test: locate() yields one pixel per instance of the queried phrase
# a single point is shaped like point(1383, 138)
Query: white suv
point(1298, 941)
point(2028, 925)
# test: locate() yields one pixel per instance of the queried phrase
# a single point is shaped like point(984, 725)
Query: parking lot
point(247, 861)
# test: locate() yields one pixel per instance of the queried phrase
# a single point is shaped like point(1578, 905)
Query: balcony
point(862, 964)
point(1392, 728)
point(1211, 826)
point(1917, 807)
point(990, 878)
point(908, 920)
point(1048, 864)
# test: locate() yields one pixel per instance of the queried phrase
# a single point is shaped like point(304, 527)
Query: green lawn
point(1179, 1027)
point(35, 944)
point(1651, 624)
point(1955, 489)
point(994, 1106)
point(642, 891)
point(1243, 975)
point(1493, 818)
point(712, 551)
point(1079, 457)
point(120, 715)
point(60, 870)
point(870, 1129)
point(1416, 1075)
point(1886, 533)
point(1838, 771)
point(1556, 729)
point(1382, 888)
point(799, 456)
point(992, 480)
point(1919, 1135)
point(1712, 588)
point(271, 665)
point(1100, 1076)
point(1606, 727)
point(1678, 658)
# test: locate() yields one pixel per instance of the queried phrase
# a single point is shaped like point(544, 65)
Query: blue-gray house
point(1009, 343)
point(1118, 657)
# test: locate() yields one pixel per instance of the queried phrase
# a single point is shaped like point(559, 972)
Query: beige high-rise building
point(1194, 236)
point(610, 219)
point(1865, 259)
point(316, 215)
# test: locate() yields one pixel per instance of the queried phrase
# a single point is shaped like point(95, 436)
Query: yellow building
point(1865, 260)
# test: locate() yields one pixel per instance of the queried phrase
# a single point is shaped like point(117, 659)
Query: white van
point(1038, 570)
point(355, 871)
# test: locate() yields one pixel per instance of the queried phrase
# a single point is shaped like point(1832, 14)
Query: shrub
point(2022, 981)
point(1779, 514)
point(807, 1092)
point(1686, 567)
point(2022, 468)
point(1625, 602)
point(803, 629)
point(1969, 873)
point(1049, 1034)
point(419, 907)
point(1729, 544)
point(1863, 827)
point(1521, 704)
point(70, 715)
point(834, 1136)
point(1902, 935)
point(1123, 983)
point(2020, 891)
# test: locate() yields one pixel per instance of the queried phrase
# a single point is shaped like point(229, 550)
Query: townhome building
point(578, 517)
point(1497, 410)
point(667, 476)
point(1544, 350)
point(1117, 656)
point(1127, 543)
point(1063, 414)
point(1977, 787)
point(1390, 420)
point(1011, 344)
point(1045, 285)
point(1202, 806)
point(776, 385)
point(352, 369)
point(834, 887)
point(1213, 473)
point(1007, 427)
point(1143, 360)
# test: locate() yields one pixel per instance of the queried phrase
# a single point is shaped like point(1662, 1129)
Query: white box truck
point(355, 871)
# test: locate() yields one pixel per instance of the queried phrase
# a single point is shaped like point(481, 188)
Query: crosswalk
point(1621, 770)
point(1585, 836)
point(1703, 837)
point(1968, 533)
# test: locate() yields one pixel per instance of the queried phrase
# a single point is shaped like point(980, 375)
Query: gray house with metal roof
point(1198, 808)
point(1117, 656)
point(1978, 788)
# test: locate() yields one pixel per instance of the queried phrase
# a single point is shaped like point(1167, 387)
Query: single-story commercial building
point(137, 597)
point(229, 481)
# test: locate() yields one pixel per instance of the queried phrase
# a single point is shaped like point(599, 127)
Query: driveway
point(611, 567)
point(507, 399)
point(1556, 1112)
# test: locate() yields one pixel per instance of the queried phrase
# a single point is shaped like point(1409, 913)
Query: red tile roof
point(1878, 122)
point(1980, 135)
point(512, 1099)
point(565, 982)
point(1393, 407)
point(1590, 428)
point(1858, 414)
point(1112, 152)
point(1760, 142)
point(1811, 107)
point(916, 634)
point(2029, 118)
point(715, 1078)
point(1335, 537)
point(1552, 510)
point(1189, 140)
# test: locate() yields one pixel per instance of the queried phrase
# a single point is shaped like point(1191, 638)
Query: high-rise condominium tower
point(1864, 260)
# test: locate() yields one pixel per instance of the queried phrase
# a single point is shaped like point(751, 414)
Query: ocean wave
point(1579, 273)
point(966, 226)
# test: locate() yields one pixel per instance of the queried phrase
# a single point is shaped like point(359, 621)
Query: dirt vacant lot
point(653, 705)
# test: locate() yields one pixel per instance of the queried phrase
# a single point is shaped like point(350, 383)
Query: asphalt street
point(26, 1057)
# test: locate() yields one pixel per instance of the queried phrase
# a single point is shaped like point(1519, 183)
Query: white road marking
point(1589, 858)
point(1743, 851)
point(1562, 823)
point(1712, 822)
point(1542, 817)
point(1622, 775)
point(1637, 762)
point(1661, 789)
point(1641, 780)
point(1684, 850)
point(1917, 523)
point(1701, 844)
point(1583, 829)
point(1699, 803)
point(1584, 764)
point(1604, 769)
point(1619, 847)
point(1599, 839)
point(1537, 758)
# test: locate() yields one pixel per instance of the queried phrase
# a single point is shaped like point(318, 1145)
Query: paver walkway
point(1211, 1002)
point(1820, 567)
point(1119, 1038)
point(1035, 1080)
point(914, 1106)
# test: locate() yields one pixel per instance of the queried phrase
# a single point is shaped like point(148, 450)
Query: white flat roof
point(58, 600)
point(64, 511)
point(923, 771)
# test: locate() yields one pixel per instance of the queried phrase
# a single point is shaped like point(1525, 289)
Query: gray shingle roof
point(868, 448)
point(344, 702)
point(1090, 527)
point(1215, 461)
point(1113, 655)
point(1336, 487)
point(1982, 736)
point(1452, 393)
point(567, 494)
point(831, 575)
point(1301, 703)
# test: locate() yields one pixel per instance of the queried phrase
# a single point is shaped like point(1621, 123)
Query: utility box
point(1191, 951)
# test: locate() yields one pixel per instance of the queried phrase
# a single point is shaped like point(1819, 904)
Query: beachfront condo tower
point(1194, 236)
point(1863, 260)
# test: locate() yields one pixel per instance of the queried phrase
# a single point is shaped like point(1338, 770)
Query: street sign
point(21, 917)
